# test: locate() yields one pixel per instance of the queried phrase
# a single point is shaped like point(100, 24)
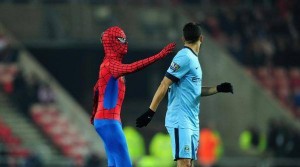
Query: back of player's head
point(191, 32)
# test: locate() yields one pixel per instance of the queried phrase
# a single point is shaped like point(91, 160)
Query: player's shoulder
point(182, 55)
point(184, 52)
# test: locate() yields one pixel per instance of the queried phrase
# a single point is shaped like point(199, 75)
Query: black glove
point(144, 119)
point(225, 87)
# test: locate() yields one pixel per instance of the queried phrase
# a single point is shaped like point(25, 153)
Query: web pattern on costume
point(109, 91)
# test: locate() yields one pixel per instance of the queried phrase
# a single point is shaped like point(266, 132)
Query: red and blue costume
point(109, 92)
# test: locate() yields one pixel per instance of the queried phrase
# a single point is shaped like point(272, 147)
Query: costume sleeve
point(118, 69)
point(179, 67)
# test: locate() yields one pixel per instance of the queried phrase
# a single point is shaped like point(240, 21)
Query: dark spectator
point(294, 76)
point(252, 141)
point(20, 92)
point(7, 77)
point(280, 139)
point(93, 161)
point(33, 161)
point(45, 94)
point(3, 46)
point(3, 156)
point(7, 53)
point(32, 88)
point(296, 95)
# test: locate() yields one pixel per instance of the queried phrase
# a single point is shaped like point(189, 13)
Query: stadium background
point(50, 55)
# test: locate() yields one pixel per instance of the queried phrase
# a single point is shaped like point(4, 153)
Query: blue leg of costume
point(114, 140)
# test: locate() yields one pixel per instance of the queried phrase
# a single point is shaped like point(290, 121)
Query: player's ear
point(201, 38)
point(101, 37)
point(183, 40)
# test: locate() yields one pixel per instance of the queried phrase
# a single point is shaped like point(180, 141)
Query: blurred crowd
point(36, 101)
point(264, 37)
point(282, 83)
point(280, 141)
point(24, 90)
point(283, 139)
point(257, 33)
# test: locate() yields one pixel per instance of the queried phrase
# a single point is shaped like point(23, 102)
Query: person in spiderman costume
point(109, 93)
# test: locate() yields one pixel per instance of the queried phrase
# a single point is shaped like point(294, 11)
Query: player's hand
point(144, 119)
point(225, 87)
point(168, 49)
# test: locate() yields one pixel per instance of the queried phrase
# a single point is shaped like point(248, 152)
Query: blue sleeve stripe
point(172, 77)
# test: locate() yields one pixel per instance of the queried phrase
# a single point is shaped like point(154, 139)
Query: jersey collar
point(191, 50)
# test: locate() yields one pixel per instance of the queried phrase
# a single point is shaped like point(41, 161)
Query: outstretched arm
point(224, 87)
point(144, 119)
point(207, 91)
point(118, 69)
point(160, 93)
point(178, 68)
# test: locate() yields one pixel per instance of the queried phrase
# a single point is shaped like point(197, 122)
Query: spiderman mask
point(114, 42)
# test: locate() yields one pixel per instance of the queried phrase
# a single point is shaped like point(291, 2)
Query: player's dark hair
point(191, 32)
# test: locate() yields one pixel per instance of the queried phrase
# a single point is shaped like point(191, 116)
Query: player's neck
point(194, 47)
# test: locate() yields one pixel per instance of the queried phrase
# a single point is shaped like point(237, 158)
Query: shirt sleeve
point(179, 67)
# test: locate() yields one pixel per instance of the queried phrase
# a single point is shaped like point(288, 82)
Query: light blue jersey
point(184, 94)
